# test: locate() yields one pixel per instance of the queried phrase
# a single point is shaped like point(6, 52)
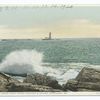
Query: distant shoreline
point(50, 39)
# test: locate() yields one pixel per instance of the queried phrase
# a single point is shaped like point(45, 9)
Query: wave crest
point(23, 61)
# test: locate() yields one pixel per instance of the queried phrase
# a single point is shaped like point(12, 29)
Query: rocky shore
point(87, 80)
point(33, 82)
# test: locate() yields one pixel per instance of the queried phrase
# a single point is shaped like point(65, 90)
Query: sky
point(37, 22)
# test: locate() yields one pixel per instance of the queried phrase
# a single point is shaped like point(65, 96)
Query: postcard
point(49, 50)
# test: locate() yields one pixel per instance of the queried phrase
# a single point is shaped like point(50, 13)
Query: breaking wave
point(21, 62)
point(31, 61)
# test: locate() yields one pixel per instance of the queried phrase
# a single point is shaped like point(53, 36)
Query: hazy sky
point(38, 22)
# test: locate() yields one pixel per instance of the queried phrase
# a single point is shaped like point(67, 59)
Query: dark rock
point(74, 85)
point(38, 79)
point(4, 80)
point(88, 79)
point(71, 85)
point(29, 87)
point(89, 86)
point(89, 75)
point(9, 84)
point(3, 83)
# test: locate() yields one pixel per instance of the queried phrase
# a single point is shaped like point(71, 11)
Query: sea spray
point(30, 62)
point(23, 61)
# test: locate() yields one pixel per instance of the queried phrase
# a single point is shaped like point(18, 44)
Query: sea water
point(62, 59)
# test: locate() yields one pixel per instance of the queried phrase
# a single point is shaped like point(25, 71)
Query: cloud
point(28, 32)
point(62, 29)
point(81, 21)
point(77, 28)
point(3, 26)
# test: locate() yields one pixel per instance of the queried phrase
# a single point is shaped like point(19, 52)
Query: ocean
point(62, 59)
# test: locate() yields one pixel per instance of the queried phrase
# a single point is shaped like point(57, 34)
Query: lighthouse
point(49, 36)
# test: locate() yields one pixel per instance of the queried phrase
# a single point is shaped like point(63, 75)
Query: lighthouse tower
point(49, 36)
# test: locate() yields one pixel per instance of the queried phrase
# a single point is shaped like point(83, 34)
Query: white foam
point(24, 61)
point(31, 61)
point(70, 74)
